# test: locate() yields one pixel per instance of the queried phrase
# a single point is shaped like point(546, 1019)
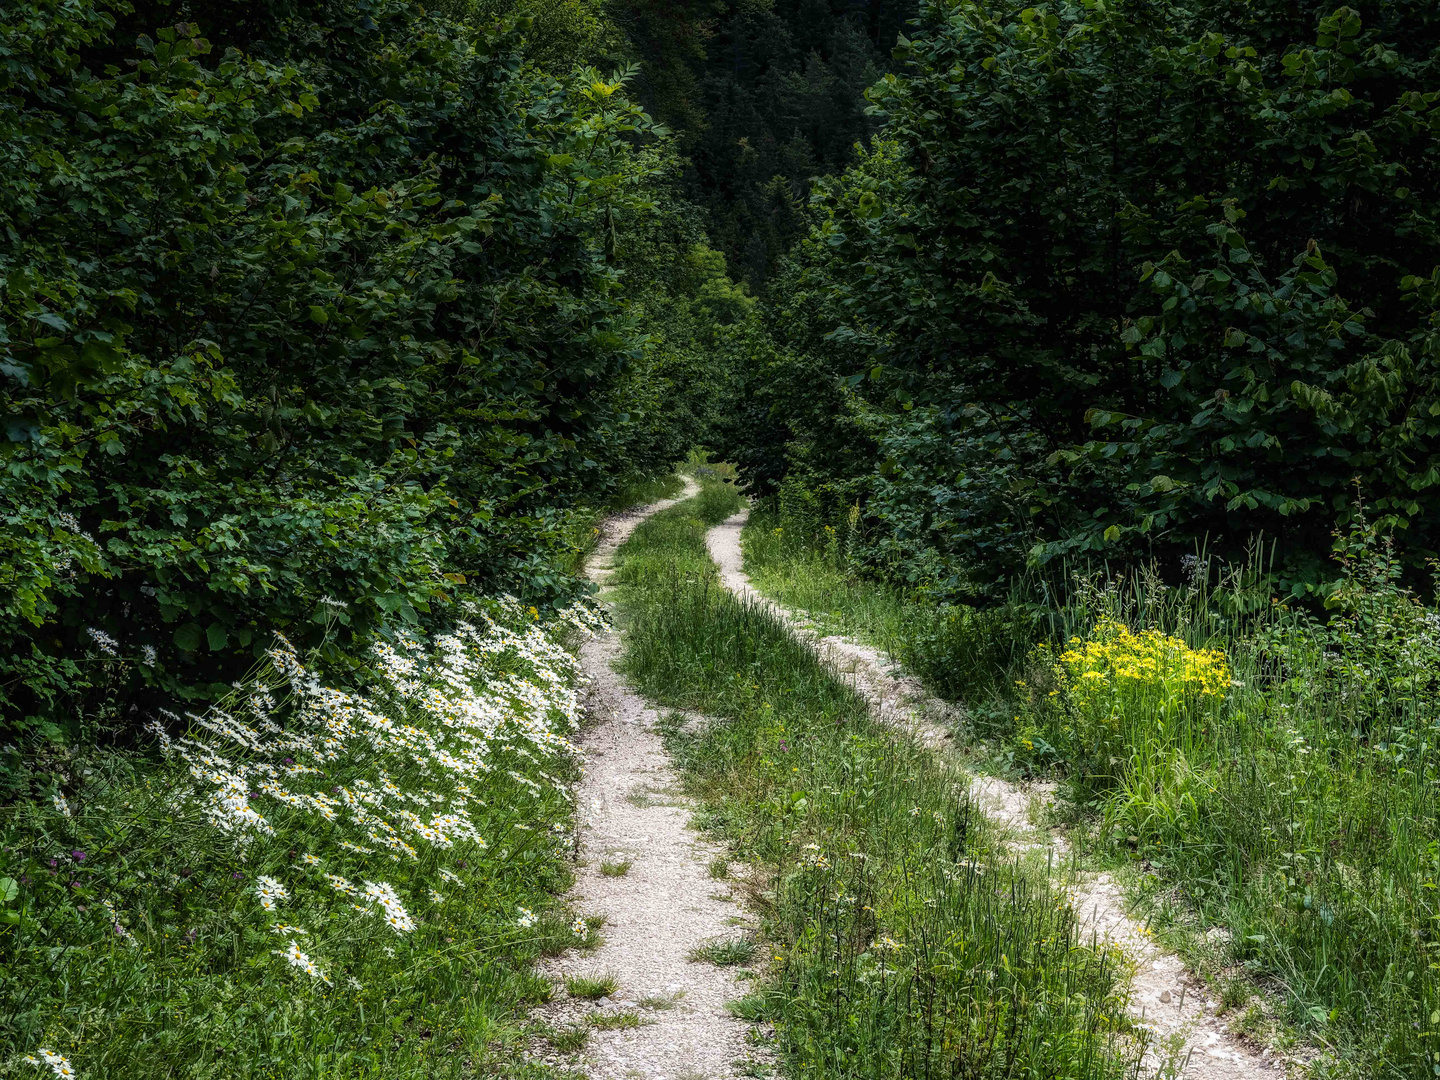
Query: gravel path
point(632, 809)
point(1168, 998)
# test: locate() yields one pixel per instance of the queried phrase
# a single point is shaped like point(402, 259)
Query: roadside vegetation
point(899, 938)
point(1089, 363)
point(311, 881)
point(1106, 403)
point(336, 321)
point(1265, 773)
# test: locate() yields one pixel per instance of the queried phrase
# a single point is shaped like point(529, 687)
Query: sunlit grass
point(731, 953)
point(1293, 808)
point(960, 653)
point(590, 986)
point(900, 937)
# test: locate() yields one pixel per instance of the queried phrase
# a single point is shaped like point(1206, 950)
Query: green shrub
point(1034, 318)
point(291, 348)
point(1277, 771)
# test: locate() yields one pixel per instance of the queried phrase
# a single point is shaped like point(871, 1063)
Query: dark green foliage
point(319, 300)
point(1128, 274)
point(765, 97)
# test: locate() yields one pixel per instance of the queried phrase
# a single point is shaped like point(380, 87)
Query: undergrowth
point(902, 942)
point(583, 529)
point(961, 653)
point(1264, 770)
point(310, 882)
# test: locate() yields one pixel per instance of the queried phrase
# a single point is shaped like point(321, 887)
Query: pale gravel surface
point(1171, 1000)
point(632, 808)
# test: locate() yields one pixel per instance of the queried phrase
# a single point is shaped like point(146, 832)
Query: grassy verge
point(962, 654)
point(900, 942)
point(1245, 766)
point(310, 883)
point(641, 491)
point(583, 530)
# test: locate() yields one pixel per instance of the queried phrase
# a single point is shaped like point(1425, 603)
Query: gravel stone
point(664, 906)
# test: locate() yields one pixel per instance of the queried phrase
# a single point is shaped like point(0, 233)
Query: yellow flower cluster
point(1111, 657)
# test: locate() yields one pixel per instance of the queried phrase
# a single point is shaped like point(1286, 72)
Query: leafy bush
point(353, 881)
point(320, 303)
point(1118, 277)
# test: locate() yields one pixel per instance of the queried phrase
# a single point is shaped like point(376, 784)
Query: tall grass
point(961, 653)
point(904, 943)
point(311, 883)
point(1299, 810)
point(1295, 804)
point(583, 526)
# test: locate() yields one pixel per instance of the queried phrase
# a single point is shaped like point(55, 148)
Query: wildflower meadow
point(303, 880)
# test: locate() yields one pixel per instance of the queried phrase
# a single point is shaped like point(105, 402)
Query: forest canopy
point(368, 304)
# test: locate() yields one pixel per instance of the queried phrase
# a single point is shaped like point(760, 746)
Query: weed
point(961, 653)
point(590, 987)
point(617, 1021)
point(1275, 769)
point(568, 1039)
point(616, 869)
point(719, 868)
point(724, 953)
point(661, 1001)
point(534, 989)
point(1234, 993)
point(753, 1008)
point(645, 796)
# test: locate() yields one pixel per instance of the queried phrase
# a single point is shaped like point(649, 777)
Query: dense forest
point(364, 302)
point(332, 329)
point(376, 327)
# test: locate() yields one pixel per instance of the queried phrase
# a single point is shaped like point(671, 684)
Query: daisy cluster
point(362, 813)
point(59, 1063)
point(455, 732)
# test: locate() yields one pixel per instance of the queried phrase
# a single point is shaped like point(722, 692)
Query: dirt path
point(1170, 1000)
point(897, 698)
point(664, 906)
